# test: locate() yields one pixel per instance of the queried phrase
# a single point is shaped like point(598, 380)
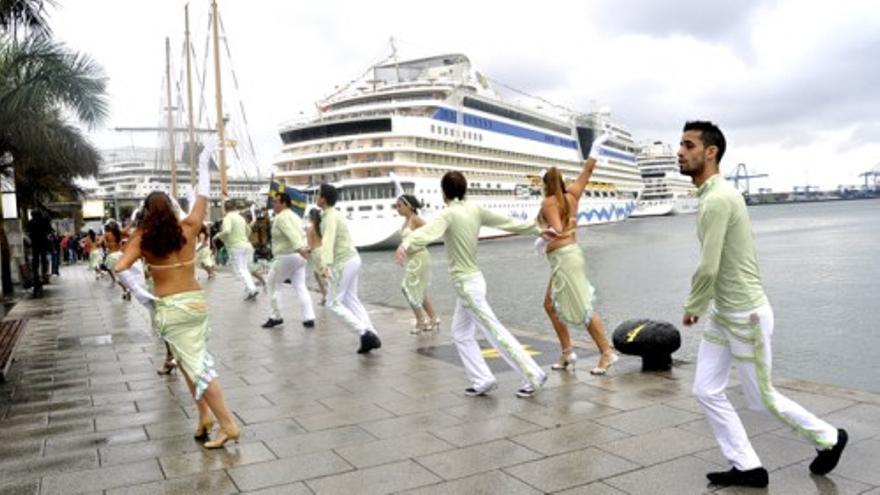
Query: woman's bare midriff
point(569, 236)
point(561, 243)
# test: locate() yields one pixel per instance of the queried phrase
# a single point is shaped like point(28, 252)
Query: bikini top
point(170, 265)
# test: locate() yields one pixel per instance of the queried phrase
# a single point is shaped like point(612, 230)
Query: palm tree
point(41, 81)
point(24, 17)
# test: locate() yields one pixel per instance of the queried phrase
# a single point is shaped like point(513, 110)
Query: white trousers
point(743, 338)
point(472, 311)
point(293, 267)
point(342, 297)
point(240, 257)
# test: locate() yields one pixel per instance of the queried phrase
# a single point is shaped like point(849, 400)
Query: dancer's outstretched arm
point(577, 188)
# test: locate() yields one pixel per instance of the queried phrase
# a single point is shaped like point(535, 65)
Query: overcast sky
point(795, 85)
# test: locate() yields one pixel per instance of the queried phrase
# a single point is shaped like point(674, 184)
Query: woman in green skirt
point(418, 269)
point(569, 297)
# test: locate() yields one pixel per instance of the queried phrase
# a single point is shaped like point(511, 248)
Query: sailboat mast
point(189, 103)
point(219, 102)
point(170, 118)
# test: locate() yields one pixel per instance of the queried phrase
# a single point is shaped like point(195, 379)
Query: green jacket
point(336, 244)
point(287, 233)
point(728, 269)
point(459, 225)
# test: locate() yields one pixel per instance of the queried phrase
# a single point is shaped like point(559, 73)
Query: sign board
point(93, 208)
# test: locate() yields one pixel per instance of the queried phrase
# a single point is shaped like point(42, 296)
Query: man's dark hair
point(329, 193)
point(230, 204)
point(710, 134)
point(454, 185)
point(284, 199)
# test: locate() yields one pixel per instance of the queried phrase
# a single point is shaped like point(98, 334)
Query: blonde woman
point(569, 296)
point(418, 269)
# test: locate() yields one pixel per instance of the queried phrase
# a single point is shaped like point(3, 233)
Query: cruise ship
point(129, 174)
point(667, 191)
point(406, 123)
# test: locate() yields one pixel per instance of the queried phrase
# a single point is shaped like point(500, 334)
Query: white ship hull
point(655, 208)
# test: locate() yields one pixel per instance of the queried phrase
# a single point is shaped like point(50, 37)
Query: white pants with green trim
point(472, 312)
point(342, 297)
point(289, 266)
point(743, 338)
point(240, 257)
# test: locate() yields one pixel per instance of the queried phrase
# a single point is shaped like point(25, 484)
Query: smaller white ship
point(667, 191)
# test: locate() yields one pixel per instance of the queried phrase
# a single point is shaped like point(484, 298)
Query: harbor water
point(819, 262)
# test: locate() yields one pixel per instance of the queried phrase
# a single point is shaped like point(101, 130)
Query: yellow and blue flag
point(298, 198)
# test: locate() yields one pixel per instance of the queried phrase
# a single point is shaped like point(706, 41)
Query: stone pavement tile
point(391, 450)
point(377, 480)
point(579, 391)
point(797, 480)
point(152, 449)
point(261, 414)
point(31, 487)
point(298, 488)
point(101, 479)
point(647, 419)
point(70, 428)
point(570, 470)
point(47, 406)
point(57, 445)
point(684, 475)
point(280, 428)
point(342, 417)
point(92, 412)
point(597, 488)
point(481, 484)
point(233, 455)
point(875, 491)
point(478, 458)
point(775, 452)
point(163, 402)
point(304, 443)
point(21, 449)
point(24, 421)
point(431, 402)
point(495, 405)
point(121, 378)
point(213, 483)
point(658, 446)
point(105, 398)
point(689, 404)
point(144, 418)
point(570, 437)
point(173, 428)
point(405, 425)
point(472, 433)
point(14, 469)
point(563, 413)
point(266, 474)
point(861, 462)
point(861, 421)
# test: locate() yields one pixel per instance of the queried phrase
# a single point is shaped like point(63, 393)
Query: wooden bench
point(10, 333)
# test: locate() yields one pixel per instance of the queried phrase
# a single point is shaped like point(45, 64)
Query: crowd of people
point(166, 244)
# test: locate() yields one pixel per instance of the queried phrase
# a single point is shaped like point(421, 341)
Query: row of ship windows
point(450, 131)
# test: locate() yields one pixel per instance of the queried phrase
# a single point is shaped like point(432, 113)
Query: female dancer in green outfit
point(181, 317)
point(203, 251)
point(313, 237)
point(418, 269)
point(569, 297)
point(113, 241)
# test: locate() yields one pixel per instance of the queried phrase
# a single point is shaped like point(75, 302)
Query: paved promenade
point(83, 411)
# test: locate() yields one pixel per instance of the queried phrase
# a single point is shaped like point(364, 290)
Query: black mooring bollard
point(653, 340)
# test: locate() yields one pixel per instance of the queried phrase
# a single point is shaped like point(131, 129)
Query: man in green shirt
point(341, 264)
point(233, 233)
point(459, 225)
point(727, 285)
point(289, 251)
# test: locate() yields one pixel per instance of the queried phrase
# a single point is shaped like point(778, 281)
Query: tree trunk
point(5, 260)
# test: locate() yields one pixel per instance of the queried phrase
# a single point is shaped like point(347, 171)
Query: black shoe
point(272, 322)
point(252, 296)
point(826, 460)
point(480, 392)
point(369, 341)
point(309, 323)
point(756, 478)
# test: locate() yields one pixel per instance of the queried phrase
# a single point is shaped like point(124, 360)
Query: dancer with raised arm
point(459, 226)
point(418, 269)
point(340, 264)
point(203, 251)
point(181, 311)
point(569, 296)
point(727, 285)
point(290, 253)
